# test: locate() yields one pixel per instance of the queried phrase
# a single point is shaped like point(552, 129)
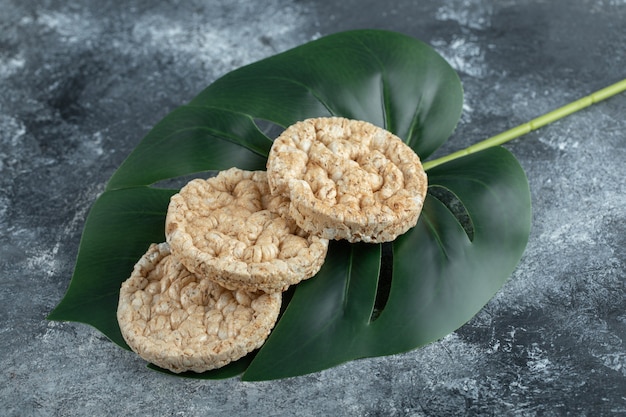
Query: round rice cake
point(181, 322)
point(347, 179)
point(231, 229)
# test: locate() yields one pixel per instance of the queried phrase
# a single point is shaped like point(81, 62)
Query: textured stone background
point(82, 82)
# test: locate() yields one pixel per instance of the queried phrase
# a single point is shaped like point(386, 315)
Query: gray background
point(81, 84)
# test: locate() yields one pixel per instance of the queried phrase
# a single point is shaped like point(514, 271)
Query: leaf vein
point(313, 92)
point(437, 237)
point(385, 100)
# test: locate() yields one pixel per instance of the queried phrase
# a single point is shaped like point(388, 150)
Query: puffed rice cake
point(181, 322)
point(347, 179)
point(231, 229)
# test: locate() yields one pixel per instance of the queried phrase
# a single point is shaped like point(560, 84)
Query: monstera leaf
point(368, 299)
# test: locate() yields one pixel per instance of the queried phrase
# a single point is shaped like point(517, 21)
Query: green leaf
point(365, 301)
point(440, 277)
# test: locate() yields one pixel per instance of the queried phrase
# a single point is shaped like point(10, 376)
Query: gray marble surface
point(82, 82)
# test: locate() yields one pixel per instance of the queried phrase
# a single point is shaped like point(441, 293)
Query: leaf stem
point(534, 124)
